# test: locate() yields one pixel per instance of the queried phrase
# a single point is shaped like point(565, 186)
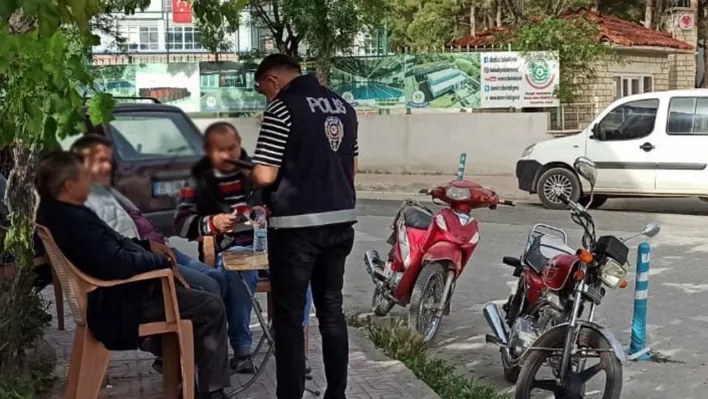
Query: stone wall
point(601, 91)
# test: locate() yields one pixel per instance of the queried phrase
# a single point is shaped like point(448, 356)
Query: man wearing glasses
point(306, 160)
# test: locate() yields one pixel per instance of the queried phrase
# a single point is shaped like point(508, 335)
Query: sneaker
point(157, 365)
point(242, 365)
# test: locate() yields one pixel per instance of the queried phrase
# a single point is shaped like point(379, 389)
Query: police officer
point(306, 157)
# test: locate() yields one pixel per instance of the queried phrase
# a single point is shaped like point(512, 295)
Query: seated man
point(114, 314)
point(216, 191)
point(124, 217)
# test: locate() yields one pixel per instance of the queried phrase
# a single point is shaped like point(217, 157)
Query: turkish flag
point(181, 11)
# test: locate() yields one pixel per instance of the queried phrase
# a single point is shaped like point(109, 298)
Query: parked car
point(645, 145)
point(155, 146)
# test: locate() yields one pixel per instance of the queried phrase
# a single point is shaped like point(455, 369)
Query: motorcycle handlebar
point(564, 198)
point(507, 202)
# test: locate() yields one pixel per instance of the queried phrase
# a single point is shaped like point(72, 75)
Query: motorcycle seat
point(542, 249)
point(417, 218)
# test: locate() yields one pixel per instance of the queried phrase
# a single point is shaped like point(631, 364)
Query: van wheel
point(555, 181)
point(597, 201)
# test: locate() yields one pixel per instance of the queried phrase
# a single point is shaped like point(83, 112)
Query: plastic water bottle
point(260, 233)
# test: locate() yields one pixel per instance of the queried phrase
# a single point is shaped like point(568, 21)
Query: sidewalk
point(371, 374)
point(504, 185)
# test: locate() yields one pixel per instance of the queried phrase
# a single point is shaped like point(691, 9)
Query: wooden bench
point(89, 358)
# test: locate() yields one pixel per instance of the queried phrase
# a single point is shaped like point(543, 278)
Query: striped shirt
point(189, 224)
point(273, 137)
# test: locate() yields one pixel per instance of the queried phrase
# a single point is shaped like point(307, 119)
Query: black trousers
point(208, 316)
point(314, 255)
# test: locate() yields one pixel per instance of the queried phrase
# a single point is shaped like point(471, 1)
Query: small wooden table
point(245, 261)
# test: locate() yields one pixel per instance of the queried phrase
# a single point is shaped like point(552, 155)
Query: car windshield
point(154, 135)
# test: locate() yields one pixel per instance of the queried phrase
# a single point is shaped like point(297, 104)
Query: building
point(650, 60)
point(165, 32)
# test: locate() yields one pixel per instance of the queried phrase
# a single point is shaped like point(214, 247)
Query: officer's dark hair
point(54, 170)
point(217, 128)
point(276, 62)
point(89, 141)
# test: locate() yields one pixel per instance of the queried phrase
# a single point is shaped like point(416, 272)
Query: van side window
point(688, 116)
point(629, 121)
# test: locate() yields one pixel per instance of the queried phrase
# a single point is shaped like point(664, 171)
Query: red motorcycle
point(426, 257)
point(549, 319)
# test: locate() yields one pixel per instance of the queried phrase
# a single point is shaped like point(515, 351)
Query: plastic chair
point(89, 358)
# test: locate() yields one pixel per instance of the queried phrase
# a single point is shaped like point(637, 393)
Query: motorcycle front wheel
point(592, 345)
point(427, 294)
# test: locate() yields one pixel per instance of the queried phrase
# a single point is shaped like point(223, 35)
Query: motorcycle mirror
point(651, 229)
point(587, 169)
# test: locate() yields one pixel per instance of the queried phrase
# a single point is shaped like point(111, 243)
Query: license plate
point(170, 188)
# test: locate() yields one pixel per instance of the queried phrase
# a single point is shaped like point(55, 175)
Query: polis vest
point(315, 183)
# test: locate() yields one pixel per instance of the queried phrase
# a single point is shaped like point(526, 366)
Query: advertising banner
point(510, 80)
point(431, 82)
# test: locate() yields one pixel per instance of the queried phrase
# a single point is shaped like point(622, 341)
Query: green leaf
point(100, 108)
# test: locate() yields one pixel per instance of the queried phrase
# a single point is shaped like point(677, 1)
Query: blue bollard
point(641, 293)
point(461, 167)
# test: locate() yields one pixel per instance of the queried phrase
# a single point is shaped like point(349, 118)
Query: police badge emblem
point(334, 129)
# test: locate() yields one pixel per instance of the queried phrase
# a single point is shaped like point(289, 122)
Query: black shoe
point(242, 365)
point(157, 365)
point(213, 395)
point(308, 368)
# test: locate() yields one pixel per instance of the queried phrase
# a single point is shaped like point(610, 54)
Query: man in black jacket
point(306, 157)
point(114, 314)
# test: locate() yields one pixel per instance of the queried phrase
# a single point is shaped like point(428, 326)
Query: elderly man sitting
point(114, 314)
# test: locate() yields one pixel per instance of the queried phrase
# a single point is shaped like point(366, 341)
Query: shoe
point(308, 368)
point(213, 395)
point(242, 365)
point(157, 365)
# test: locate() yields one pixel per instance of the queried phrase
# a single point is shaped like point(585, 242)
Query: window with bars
point(629, 85)
point(183, 38)
point(149, 38)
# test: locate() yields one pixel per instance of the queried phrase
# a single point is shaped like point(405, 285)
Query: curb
point(396, 370)
point(402, 195)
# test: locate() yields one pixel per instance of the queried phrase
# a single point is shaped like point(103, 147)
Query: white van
point(651, 144)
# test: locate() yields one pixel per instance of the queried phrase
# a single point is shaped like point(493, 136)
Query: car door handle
point(647, 147)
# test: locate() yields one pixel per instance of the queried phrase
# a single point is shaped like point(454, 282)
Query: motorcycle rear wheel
point(381, 305)
point(588, 338)
point(428, 290)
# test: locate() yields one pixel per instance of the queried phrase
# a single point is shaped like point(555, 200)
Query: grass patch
point(406, 346)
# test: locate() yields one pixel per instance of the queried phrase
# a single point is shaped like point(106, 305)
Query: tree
point(215, 22)
point(330, 27)
point(44, 61)
point(577, 46)
point(271, 15)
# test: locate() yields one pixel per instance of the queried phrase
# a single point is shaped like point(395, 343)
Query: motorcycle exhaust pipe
point(496, 323)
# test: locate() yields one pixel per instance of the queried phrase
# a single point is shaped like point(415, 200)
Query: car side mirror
point(595, 132)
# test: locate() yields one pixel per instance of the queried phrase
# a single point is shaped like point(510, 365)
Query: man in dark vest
point(306, 160)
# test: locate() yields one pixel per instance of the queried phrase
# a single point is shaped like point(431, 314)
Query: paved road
point(678, 312)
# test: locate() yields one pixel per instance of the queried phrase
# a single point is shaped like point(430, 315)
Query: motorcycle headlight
point(612, 273)
point(457, 193)
point(527, 150)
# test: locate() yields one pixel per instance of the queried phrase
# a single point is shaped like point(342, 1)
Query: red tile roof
point(612, 30)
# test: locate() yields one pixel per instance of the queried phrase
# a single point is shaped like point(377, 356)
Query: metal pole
point(461, 167)
point(638, 349)
point(167, 28)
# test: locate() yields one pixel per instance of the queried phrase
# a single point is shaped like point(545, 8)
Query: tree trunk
point(324, 66)
point(473, 21)
point(648, 5)
point(499, 7)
